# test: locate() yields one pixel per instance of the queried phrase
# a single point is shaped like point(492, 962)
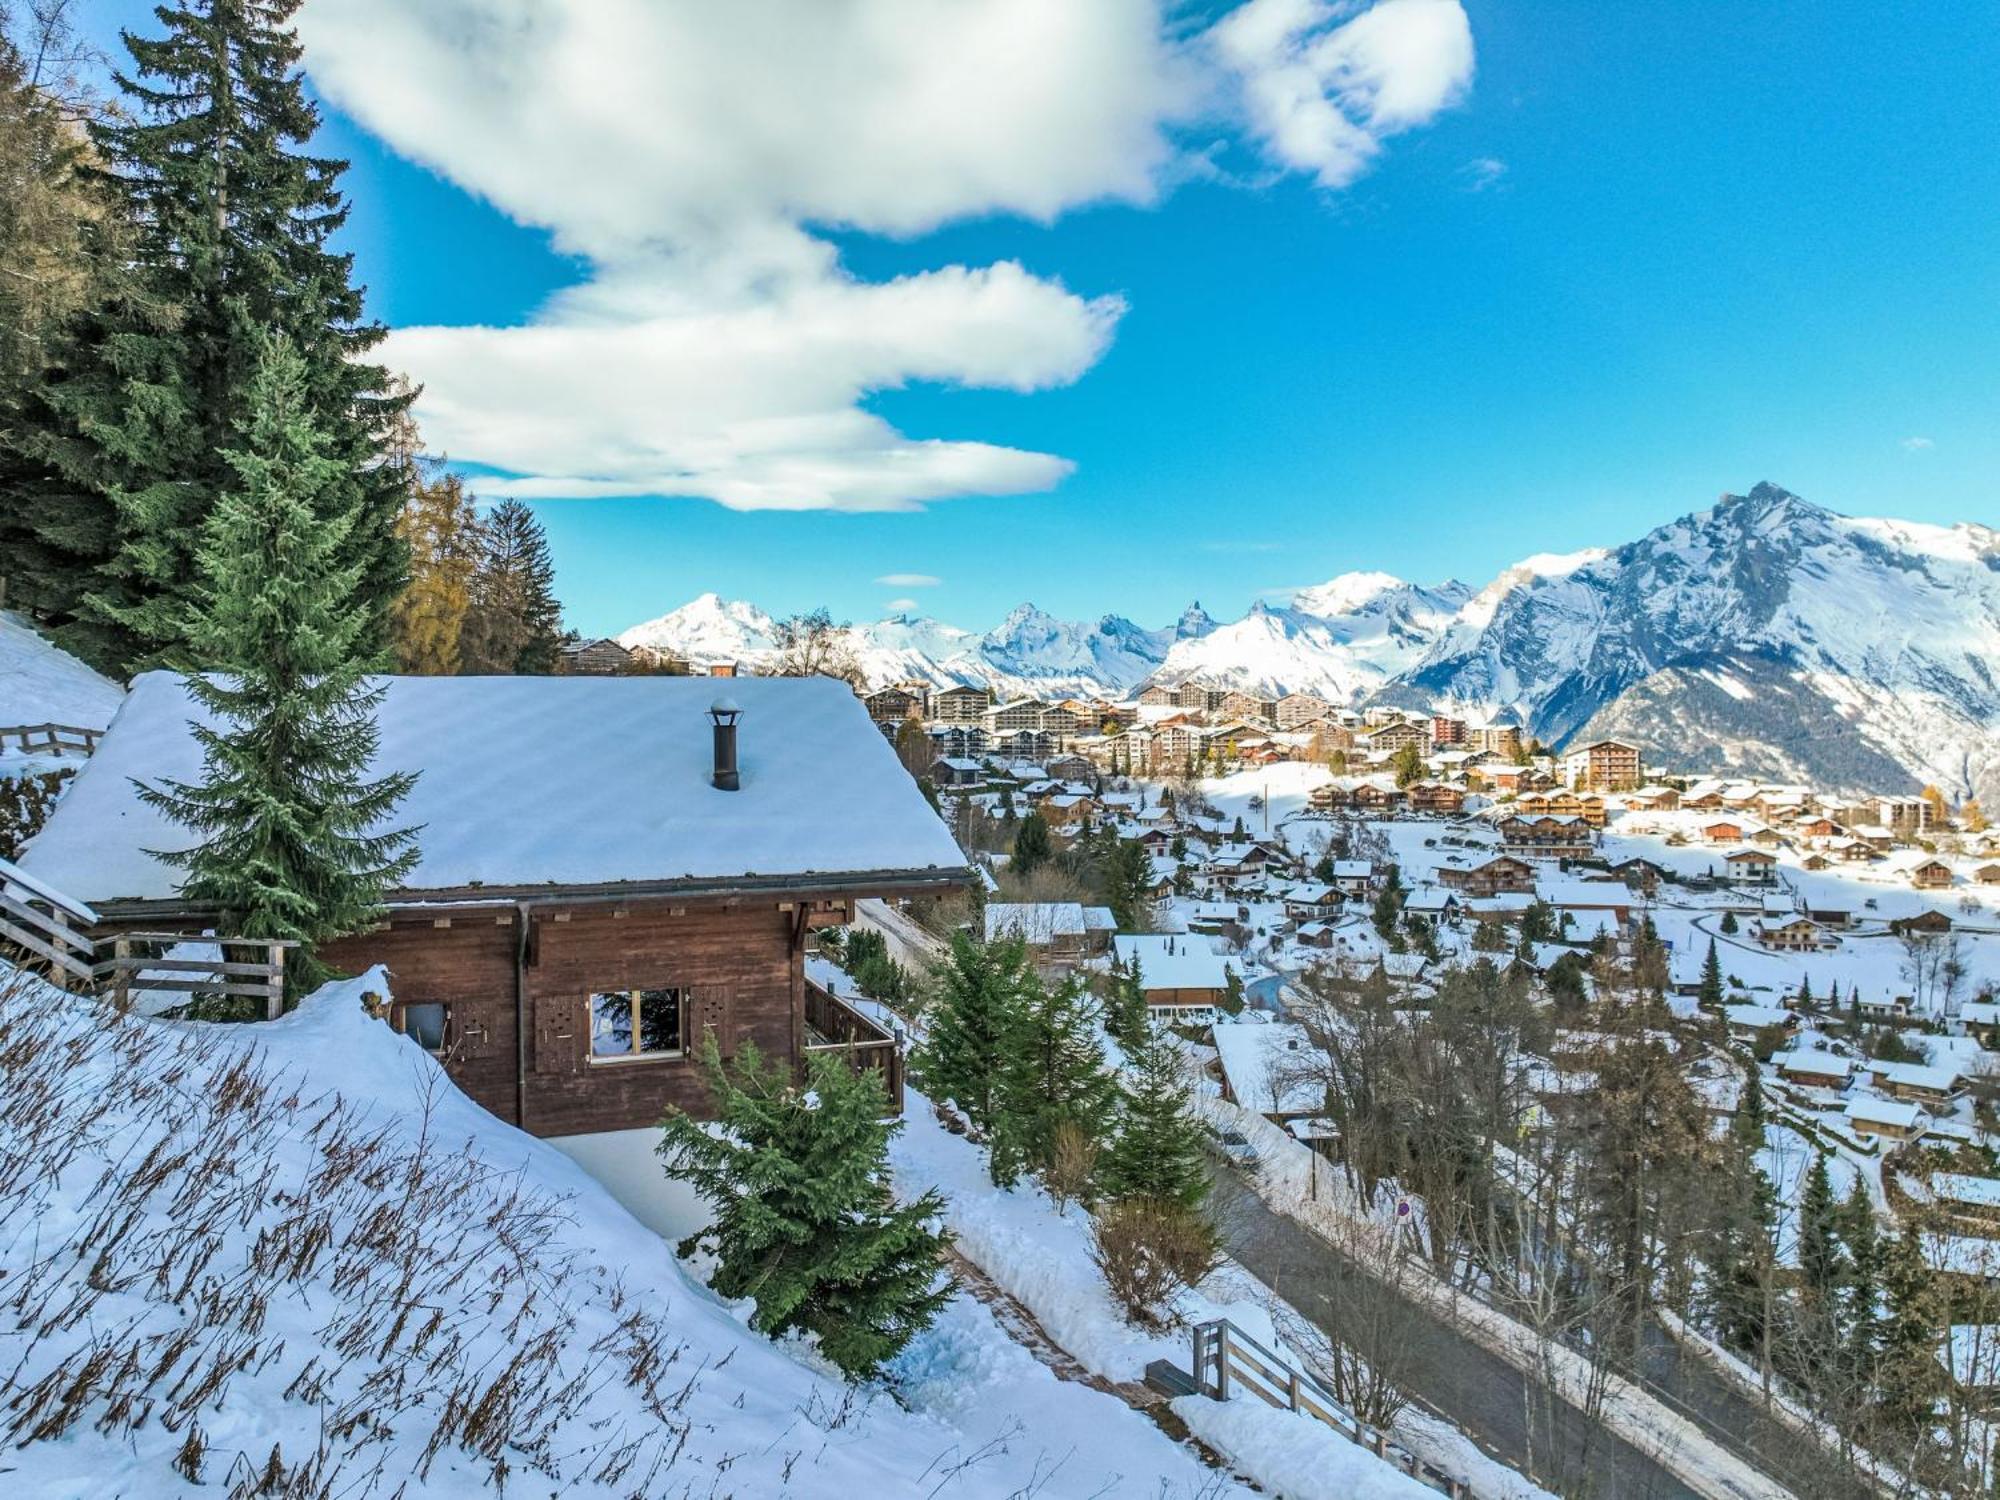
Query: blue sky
point(1653, 253)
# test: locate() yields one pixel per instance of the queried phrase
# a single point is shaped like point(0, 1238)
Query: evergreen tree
point(1127, 1016)
point(1052, 1075)
point(1710, 995)
point(1728, 923)
point(64, 255)
point(291, 842)
point(1805, 992)
point(441, 532)
point(233, 224)
point(1158, 1150)
point(1128, 881)
point(1819, 1236)
point(1861, 1303)
point(513, 624)
point(1909, 1379)
point(805, 1223)
point(1032, 846)
point(979, 992)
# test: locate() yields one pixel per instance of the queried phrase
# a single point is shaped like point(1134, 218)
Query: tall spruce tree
point(292, 836)
point(1128, 881)
point(1032, 846)
point(805, 1223)
point(1909, 1379)
point(1053, 1075)
point(234, 220)
point(1819, 1236)
point(1710, 994)
point(514, 624)
point(979, 991)
point(1157, 1151)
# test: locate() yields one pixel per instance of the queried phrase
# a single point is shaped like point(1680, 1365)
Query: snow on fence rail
point(51, 739)
point(1226, 1357)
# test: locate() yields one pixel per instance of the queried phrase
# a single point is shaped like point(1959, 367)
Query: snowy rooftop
point(41, 684)
point(1268, 1068)
point(1891, 1112)
point(1173, 961)
point(551, 781)
point(1036, 922)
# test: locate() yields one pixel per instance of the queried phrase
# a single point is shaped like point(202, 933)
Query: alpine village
point(1539, 1040)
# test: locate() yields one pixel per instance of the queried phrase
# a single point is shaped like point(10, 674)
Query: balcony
point(832, 1025)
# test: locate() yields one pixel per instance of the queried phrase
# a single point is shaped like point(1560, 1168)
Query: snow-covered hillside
point(293, 1259)
point(42, 684)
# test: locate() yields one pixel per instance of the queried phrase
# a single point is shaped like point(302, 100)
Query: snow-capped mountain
point(1766, 633)
point(1029, 652)
point(1342, 639)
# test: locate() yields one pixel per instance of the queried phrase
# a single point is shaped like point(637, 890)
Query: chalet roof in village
point(529, 783)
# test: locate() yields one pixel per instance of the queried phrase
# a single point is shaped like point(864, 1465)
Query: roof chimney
point(724, 713)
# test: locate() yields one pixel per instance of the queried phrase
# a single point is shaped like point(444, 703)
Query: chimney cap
point(724, 705)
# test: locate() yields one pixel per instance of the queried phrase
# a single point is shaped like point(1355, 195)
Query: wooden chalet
point(587, 907)
point(601, 658)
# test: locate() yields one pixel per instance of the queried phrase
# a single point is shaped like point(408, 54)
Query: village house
point(1655, 798)
point(1228, 920)
point(1395, 736)
point(1746, 1021)
point(1931, 923)
point(956, 771)
point(1446, 730)
point(1546, 837)
point(1435, 798)
point(1353, 878)
point(892, 705)
point(1014, 715)
point(1311, 903)
point(1054, 931)
point(600, 658)
point(1931, 875)
point(1182, 977)
point(1793, 934)
point(1500, 739)
point(1918, 1083)
point(1887, 1119)
point(568, 942)
point(1963, 1193)
point(1604, 766)
point(1501, 873)
point(1814, 1069)
point(1296, 710)
point(1751, 867)
point(1271, 1070)
point(960, 705)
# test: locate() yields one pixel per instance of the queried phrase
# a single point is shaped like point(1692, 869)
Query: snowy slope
point(297, 1244)
point(1741, 624)
point(42, 684)
point(1342, 639)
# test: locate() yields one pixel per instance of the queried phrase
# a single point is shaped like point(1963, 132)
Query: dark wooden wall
point(740, 963)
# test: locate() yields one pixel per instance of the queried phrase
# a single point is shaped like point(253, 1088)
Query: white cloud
point(909, 580)
point(695, 153)
point(902, 606)
point(1324, 84)
point(1917, 444)
point(1482, 172)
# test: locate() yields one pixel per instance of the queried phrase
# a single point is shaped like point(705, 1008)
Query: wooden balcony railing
point(44, 931)
point(50, 739)
point(832, 1025)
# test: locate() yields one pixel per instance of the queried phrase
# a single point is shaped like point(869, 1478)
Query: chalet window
point(635, 1023)
point(424, 1022)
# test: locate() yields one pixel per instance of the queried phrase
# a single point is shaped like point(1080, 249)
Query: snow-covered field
point(40, 684)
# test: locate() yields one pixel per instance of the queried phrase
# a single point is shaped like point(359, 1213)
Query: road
point(1444, 1368)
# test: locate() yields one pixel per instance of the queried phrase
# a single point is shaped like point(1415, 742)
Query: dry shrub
point(1072, 1164)
point(1149, 1251)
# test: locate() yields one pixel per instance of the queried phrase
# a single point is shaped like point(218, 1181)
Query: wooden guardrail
point(866, 1046)
point(64, 939)
point(51, 739)
point(1226, 1359)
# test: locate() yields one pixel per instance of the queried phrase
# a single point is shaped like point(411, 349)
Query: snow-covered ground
point(383, 1279)
point(42, 684)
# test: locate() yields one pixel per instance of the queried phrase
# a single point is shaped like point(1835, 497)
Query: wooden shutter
point(559, 1033)
point(709, 1011)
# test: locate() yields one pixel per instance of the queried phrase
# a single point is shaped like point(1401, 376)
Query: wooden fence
point(865, 1045)
point(63, 939)
point(1227, 1359)
point(51, 739)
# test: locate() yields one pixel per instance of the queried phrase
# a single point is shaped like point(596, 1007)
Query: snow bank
point(42, 684)
point(298, 1244)
point(1294, 1456)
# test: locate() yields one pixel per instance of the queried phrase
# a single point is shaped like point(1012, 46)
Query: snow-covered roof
point(1172, 961)
point(1916, 1076)
point(1757, 1016)
point(1038, 922)
point(1961, 1187)
point(1868, 1110)
point(43, 684)
point(1818, 1064)
point(531, 782)
point(1264, 1064)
